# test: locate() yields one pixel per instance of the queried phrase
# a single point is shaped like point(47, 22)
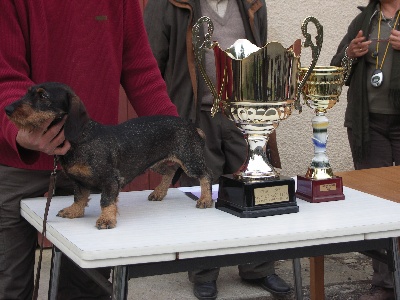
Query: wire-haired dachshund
point(105, 158)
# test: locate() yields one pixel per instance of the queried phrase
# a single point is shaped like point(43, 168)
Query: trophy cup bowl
point(256, 88)
point(321, 92)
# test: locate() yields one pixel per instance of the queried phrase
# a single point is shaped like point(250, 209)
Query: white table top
point(155, 231)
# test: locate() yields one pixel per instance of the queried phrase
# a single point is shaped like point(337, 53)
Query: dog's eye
point(45, 96)
point(42, 93)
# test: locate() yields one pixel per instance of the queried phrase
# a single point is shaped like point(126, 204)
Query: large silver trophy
point(256, 88)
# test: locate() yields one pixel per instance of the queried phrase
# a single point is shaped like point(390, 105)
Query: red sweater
point(93, 46)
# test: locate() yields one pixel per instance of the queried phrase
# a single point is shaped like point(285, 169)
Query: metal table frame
point(121, 274)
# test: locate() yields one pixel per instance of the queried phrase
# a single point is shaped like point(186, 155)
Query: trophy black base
point(320, 190)
point(256, 198)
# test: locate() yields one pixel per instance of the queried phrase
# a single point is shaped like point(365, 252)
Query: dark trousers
point(225, 150)
point(225, 153)
point(18, 240)
point(247, 271)
point(384, 151)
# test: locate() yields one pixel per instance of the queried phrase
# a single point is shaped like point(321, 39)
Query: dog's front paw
point(72, 212)
point(204, 202)
point(108, 217)
point(103, 223)
point(156, 196)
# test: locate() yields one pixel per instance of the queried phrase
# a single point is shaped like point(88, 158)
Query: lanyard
point(377, 43)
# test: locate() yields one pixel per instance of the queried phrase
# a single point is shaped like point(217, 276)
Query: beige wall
point(294, 134)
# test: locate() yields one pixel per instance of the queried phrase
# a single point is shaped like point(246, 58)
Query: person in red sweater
point(94, 47)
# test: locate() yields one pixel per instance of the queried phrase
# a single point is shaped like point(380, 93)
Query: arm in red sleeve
point(14, 66)
point(141, 77)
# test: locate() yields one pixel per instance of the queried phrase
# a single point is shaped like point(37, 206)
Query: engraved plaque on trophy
point(256, 88)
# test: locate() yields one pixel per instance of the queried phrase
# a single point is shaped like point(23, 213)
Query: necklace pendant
point(377, 78)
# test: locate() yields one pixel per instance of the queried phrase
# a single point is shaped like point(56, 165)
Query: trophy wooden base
point(320, 190)
point(256, 198)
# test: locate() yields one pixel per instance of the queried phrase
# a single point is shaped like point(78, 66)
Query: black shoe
point(205, 290)
point(273, 284)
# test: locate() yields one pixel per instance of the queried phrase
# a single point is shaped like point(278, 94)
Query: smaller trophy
point(321, 92)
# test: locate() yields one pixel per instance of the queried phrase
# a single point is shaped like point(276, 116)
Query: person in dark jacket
point(370, 50)
point(169, 26)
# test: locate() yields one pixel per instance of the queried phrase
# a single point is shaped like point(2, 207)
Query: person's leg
point(380, 148)
point(256, 270)
point(204, 283)
point(18, 239)
point(383, 151)
point(235, 151)
point(394, 135)
point(226, 148)
point(201, 276)
point(74, 284)
point(234, 146)
point(381, 277)
point(205, 280)
point(388, 127)
point(264, 275)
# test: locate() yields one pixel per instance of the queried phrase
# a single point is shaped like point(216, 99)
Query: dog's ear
point(76, 119)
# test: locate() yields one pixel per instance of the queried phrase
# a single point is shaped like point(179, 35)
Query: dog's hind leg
point(167, 169)
point(205, 200)
point(195, 167)
point(77, 209)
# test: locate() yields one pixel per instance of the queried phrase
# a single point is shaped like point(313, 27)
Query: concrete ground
point(347, 276)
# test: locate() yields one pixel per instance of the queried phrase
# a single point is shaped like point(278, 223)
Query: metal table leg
point(297, 279)
point(396, 271)
point(120, 283)
point(54, 273)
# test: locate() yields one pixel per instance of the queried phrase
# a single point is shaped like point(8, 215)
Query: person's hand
point(394, 39)
point(358, 46)
point(48, 140)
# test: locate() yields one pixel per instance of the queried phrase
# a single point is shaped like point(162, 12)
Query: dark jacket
point(362, 18)
point(172, 47)
point(357, 111)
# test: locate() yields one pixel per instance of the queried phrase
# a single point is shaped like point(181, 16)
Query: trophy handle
point(315, 50)
point(199, 45)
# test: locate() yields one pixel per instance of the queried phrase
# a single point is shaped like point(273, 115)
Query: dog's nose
point(9, 110)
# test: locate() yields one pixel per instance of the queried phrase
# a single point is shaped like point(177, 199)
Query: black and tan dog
point(105, 158)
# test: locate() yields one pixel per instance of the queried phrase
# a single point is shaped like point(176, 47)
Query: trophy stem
point(320, 167)
point(258, 165)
